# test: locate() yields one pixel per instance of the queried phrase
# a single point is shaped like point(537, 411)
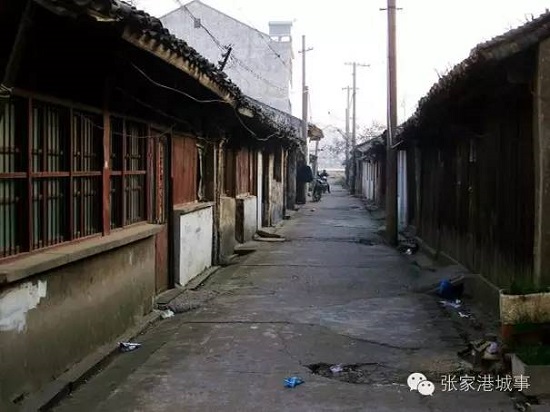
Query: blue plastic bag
point(445, 290)
point(293, 381)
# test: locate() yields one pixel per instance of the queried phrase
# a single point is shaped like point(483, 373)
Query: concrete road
point(332, 294)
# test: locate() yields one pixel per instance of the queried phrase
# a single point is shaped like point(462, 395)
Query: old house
point(371, 169)
point(259, 63)
point(118, 146)
point(477, 153)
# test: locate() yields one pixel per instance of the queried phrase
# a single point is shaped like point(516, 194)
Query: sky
point(432, 36)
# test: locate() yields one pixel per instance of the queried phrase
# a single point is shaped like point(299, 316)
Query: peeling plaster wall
point(54, 320)
point(16, 302)
point(194, 243)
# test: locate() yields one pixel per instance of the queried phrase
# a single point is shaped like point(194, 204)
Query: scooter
point(324, 183)
point(318, 189)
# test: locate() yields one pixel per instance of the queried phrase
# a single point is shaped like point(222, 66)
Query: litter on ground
point(128, 346)
point(293, 382)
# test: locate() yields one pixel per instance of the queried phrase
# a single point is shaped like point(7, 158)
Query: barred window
point(129, 172)
point(51, 175)
point(50, 169)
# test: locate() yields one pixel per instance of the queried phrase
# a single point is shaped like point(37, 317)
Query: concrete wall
point(276, 210)
point(53, 320)
point(246, 218)
point(258, 71)
point(227, 226)
point(194, 243)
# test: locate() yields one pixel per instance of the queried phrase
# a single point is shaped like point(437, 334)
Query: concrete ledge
point(192, 207)
point(82, 371)
point(50, 259)
point(484, 292)
point(475, 285)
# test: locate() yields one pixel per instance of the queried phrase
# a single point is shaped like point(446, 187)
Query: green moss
point(526, 327)
point(534, 354)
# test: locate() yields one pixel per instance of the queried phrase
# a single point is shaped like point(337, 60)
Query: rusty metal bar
point(148, 168)
point(71, 177)
point(16, 175)
point(43, 198)
point(30, 213)
point(123, 174)
point(106, 172)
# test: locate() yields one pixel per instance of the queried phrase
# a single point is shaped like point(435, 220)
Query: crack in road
point(409, 349)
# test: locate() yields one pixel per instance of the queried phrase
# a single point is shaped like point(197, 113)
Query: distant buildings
point(259, 63)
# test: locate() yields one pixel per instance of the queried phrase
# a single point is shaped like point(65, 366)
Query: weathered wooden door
point(160, 205)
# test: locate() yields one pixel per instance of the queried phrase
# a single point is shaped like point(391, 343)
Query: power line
point(251, 71)
point(203, 101)
point(175, 90)
point(224, 49)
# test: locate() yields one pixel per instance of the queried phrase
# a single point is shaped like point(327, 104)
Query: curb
point(54, 392)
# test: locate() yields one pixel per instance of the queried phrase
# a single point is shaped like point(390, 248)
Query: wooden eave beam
point(156, 48)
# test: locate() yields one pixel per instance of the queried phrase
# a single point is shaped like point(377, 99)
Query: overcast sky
point(433, 35)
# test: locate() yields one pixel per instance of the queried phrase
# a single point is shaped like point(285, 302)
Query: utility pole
point(304, 95)
point(301, 188)
point(391, 154)
point(354, 127)
point(347, 137)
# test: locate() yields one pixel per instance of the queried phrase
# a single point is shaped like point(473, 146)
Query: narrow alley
point(331, 294)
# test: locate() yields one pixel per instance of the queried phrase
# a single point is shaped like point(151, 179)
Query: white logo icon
point(426, 388)
point(414, 379)
point(418, 382)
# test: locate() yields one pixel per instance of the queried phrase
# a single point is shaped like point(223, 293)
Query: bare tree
point(374, 130)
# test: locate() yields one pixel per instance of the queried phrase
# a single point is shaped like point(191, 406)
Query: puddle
point(358, 373)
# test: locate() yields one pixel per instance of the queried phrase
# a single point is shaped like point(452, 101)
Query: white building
point(259, 63)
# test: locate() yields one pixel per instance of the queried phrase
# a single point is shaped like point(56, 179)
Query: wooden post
point(541, 150)
point(391, 157)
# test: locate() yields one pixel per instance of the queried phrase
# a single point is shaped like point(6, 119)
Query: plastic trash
point(293, 382)
point(491, 352)
point(128, 346)
point(165, 314)
point(493, 348)
point(445, 289)
point(456, 304)
point(336, 368)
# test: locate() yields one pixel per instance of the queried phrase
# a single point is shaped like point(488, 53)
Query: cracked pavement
point(333, 293)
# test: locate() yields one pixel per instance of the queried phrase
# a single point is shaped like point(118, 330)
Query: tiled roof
point(149, 26)
point(145, 24)
point(496, 49)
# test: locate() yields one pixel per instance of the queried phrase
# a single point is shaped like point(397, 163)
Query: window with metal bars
point(50, 175)
point(51, 186)
point(128, 172)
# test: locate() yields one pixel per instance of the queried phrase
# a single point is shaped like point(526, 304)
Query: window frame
point(84, 171)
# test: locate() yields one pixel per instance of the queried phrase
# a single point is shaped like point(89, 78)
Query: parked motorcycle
point(320, 187)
